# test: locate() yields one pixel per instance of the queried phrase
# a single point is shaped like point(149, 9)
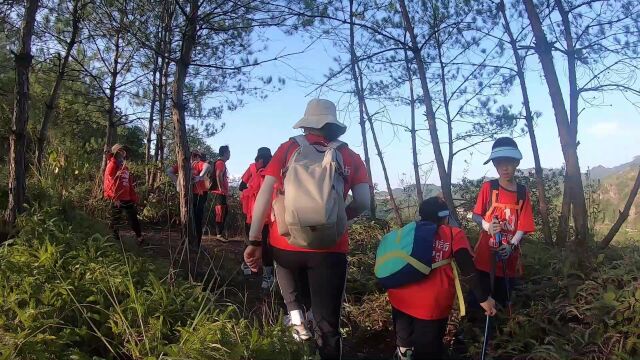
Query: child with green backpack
point(415, 265)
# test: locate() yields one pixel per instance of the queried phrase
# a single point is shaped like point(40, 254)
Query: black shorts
point(219, 199)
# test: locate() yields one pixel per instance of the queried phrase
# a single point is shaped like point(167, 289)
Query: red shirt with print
point(220, 167)
point(432, 297)
point(199, 187)
point(355, 174)
point(512, 220)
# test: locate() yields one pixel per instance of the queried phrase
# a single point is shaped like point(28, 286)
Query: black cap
point(433, 209)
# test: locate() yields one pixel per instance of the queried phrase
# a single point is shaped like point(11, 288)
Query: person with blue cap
point(503, 210)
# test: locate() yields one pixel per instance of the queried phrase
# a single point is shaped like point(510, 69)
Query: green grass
point(68, 292)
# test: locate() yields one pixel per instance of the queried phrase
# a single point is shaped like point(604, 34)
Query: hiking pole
point(492, 277)
point(506, 283)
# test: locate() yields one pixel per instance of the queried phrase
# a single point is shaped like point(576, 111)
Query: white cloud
point(603, 129)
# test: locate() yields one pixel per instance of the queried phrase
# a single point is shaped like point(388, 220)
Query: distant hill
point(614, 190)
point(600, 172)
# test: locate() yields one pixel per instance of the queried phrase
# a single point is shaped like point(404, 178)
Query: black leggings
point(317, 280)
point(424, 336)
point(129, 207)
point(198, 214)
point(267, 251)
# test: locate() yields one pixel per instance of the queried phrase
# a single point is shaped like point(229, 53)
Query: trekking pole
point(492, 277)
point(506, 283)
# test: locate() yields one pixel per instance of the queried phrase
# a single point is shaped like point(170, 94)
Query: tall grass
point(67, 292)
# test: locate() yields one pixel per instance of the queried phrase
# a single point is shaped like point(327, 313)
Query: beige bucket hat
point(318, 113)
point(117, 147)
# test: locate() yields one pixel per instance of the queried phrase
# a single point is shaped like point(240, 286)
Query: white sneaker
point(246, 270)
point(267, 277)
point(298, 329)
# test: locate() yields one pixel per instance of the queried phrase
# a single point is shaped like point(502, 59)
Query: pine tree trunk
point(542, 199)
point(580, 218)
point(624, 214)
point(445, 181)
point(180, 126)
point(360, 95)
point(52, 102)
point(152, 109)
point(566, 132)
point(111, 113)
point(414, 140)
point(20, 119)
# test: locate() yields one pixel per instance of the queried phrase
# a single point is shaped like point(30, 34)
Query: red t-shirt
point(512, 220)
point(355, 174)
point(432, 297)
point(253, 178)
point(221, 167)
point(199, 187)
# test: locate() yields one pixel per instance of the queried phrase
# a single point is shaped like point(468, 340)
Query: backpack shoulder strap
point(494, 186)
point(522, 196)
point(336, 144)
point(301, 140)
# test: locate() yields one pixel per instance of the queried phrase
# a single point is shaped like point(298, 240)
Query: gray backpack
point(310, 211)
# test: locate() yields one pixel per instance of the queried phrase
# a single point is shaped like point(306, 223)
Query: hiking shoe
point(267, 278)
point(246, 270)
point(403, 353)
point(295, 321)
point(300, 333)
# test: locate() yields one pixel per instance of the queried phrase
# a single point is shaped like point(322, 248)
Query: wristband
point(254, 242)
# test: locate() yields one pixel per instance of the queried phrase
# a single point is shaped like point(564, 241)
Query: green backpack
point(405, 256)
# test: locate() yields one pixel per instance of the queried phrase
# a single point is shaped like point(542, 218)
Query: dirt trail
point(221, 262)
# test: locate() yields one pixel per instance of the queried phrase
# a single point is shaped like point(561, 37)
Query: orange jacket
point(118, 182)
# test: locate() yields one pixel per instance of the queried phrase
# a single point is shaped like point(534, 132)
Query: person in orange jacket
point(120, 191)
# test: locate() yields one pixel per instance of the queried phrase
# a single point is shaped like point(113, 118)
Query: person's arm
point(243, 186)
point(205, 170)
point(253, 253)
point(464, 260)
point(112, 167)
point(360, 202)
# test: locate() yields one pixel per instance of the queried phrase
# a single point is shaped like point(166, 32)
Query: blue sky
point(609, 134)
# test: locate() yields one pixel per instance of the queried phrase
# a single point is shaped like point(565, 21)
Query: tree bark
point(542, 200)
point(52, 102)
point(578, 217)
point(111, 134)
point(163, 90)
point(360, 95)
point(445, 183)
point(567, 135)
point(20, 119)
point(562, 233)
point(152, 109)
point(180, 126)
point(624, 214)
point(414, 140)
